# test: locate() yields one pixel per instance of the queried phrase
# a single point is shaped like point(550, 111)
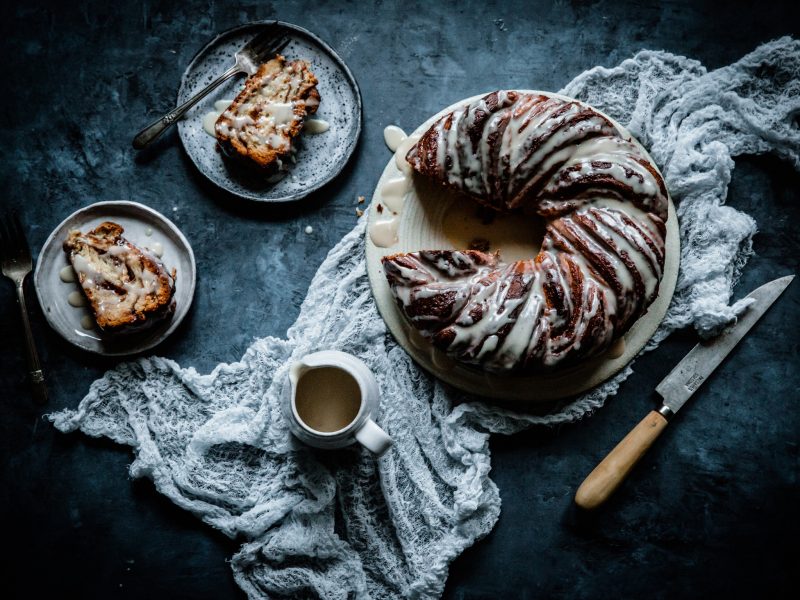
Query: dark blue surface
point(711, 510)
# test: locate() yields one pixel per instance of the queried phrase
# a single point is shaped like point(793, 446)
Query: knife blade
point(683, 381)
point(676, 388)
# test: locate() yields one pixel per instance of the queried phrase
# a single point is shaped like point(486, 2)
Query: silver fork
point(16, 263)
point(247, 60)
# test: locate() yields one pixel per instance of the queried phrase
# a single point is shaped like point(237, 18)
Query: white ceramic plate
point(430, 219)
point(319, 158)
point(144, 227)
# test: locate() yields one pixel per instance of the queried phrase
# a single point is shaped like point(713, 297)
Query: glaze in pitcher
point(355, 378)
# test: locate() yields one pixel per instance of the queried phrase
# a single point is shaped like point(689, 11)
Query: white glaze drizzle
point(402, 150)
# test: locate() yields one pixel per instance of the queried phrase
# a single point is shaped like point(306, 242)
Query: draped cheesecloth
point(347, 524)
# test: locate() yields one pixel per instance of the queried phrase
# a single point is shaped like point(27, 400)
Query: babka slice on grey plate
point(261, 124)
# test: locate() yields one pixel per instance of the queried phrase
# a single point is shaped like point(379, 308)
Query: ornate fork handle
point(157, 127)
point(34, 366)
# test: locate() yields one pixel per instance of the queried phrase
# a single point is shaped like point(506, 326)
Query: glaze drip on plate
point(392, 193)
point(393, 136)
point(210, 118)
point(67, 274)
point(602, 256)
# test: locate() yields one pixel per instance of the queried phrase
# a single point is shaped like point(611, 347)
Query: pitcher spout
point(314, 361)
point(296, 371)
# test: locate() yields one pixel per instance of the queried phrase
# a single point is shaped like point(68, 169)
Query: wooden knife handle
point(614, 468)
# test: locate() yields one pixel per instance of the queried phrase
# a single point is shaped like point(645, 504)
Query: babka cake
point(602, 256)
point(128, 288)
point(263, 120)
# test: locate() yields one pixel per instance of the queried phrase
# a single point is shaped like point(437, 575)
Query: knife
point(676, 388)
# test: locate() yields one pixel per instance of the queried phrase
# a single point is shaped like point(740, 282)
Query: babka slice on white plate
point(128, 288)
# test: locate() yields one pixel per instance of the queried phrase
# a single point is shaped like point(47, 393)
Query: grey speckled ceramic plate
point(144, 227)
point(319, 158)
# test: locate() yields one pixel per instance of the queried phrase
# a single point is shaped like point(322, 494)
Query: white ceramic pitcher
point(362, 428)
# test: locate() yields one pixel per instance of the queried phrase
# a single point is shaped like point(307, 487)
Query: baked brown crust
point(127, 288)
point(261, 123)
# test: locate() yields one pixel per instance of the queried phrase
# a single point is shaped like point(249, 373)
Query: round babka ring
point(602, 257)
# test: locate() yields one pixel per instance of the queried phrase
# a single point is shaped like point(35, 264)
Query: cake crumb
point(309, 229)
point(359, 212)
point(361, 199)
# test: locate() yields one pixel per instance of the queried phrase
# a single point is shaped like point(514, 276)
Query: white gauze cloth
point(345, 524)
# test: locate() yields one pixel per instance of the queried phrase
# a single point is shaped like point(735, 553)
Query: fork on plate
point(262, 47)
point(16, 263)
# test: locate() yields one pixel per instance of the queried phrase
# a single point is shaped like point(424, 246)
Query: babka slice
point(127, 288)
point(262, 122)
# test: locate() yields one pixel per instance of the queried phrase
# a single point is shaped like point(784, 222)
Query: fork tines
point(13, 243)
point(266, 43)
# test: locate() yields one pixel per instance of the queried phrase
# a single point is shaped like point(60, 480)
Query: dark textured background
point(712, 510)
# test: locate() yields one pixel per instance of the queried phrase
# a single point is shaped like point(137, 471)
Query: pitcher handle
point(373, 438)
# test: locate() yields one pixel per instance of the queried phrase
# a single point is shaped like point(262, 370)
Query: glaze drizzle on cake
point(602, 255)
